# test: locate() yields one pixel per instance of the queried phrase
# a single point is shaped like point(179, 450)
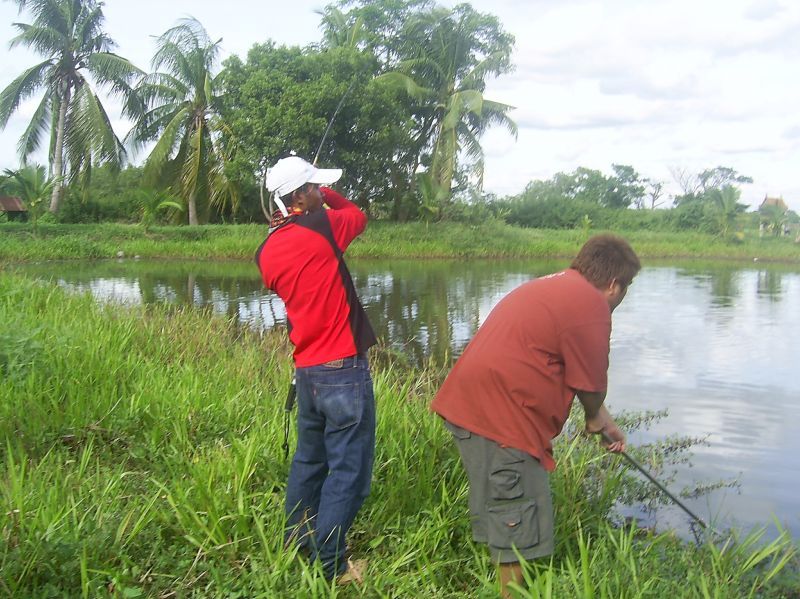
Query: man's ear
point(295, 197)
point(613, 288)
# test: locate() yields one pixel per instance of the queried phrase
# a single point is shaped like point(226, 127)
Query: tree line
point(408, 77)
point(405, 80)
point(707, 201)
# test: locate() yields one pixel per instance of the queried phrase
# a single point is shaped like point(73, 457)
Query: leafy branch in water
point(607, 483)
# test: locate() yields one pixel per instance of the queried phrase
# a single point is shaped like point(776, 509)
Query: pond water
point(715, 344)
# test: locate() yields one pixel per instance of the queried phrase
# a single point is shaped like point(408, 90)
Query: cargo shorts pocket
point(513, 525)
point(505, 478)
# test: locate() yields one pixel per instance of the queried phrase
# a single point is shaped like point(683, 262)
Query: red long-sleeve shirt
point(302, 261)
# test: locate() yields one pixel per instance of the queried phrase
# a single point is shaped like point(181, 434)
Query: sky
point(683, 85)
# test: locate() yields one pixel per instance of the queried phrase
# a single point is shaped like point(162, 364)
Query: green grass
point(140, 456)
point(381, 240)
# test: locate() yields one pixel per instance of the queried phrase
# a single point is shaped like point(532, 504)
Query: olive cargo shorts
point(509, 498)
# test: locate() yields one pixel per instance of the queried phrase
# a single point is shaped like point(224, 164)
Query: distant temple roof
point(8, 204)
point(768, 201)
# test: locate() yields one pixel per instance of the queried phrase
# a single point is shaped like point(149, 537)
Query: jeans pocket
point(505, 477)
point(341, 403)
point(513, 525)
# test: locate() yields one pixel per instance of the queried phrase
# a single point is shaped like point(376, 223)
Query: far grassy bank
point(381, 240)
point(140, 456)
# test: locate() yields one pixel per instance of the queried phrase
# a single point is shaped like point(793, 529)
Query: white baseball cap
point(293, 172)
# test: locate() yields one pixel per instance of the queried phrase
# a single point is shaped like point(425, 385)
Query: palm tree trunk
point(58, 157)
point(192, 201)
point(192, 208)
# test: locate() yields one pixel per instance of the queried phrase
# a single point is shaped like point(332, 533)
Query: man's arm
point(599, 421)
point(347, 219)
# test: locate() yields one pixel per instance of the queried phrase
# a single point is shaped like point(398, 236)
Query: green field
point(20, 242)
point(141, 456)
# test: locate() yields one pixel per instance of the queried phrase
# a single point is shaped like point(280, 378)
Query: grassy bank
point(381, 240)
point(140, 455)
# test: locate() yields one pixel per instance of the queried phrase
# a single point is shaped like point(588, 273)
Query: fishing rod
point(330, 122)
point(661, 487)
point(268, 215)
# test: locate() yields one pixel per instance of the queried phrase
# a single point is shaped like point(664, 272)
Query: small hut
point(768, 201)
point(13, 207)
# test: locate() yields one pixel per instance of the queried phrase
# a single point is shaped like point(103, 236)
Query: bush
point(550, 213)
point(77, 210)
point(559, 212)
point(109, 197)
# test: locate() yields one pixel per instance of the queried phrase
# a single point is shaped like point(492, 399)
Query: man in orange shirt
point(510, 393)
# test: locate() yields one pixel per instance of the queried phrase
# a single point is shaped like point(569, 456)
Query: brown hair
point(605, 258)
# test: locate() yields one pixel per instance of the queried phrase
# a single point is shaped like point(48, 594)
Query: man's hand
point(613, 439)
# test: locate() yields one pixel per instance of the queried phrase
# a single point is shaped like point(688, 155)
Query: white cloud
point(766, 9)
point(792, 132)
point(656, 85)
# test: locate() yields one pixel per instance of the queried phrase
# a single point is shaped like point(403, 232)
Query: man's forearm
point(591, 401)
point(598, 420)
point(335, 200)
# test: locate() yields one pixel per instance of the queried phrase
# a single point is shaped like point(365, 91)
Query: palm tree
point(30, 184)
point(725, 208)
point(69, 33)
point(338, 32)
point(447, 77)
point(183, 116)
point(150, 203)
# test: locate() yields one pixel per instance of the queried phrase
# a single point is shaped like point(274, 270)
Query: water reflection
point(770, 283)
point(432, 309)
point(715, 344)
point(724, 280)
point(421, 308)
point(719, 351)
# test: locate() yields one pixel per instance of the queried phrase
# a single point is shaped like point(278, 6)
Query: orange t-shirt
point(517, 377)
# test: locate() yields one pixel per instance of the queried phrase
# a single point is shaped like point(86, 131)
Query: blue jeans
point(332, 466)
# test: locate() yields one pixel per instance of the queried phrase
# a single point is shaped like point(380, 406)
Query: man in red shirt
point(302, 261)
point(510, 393)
